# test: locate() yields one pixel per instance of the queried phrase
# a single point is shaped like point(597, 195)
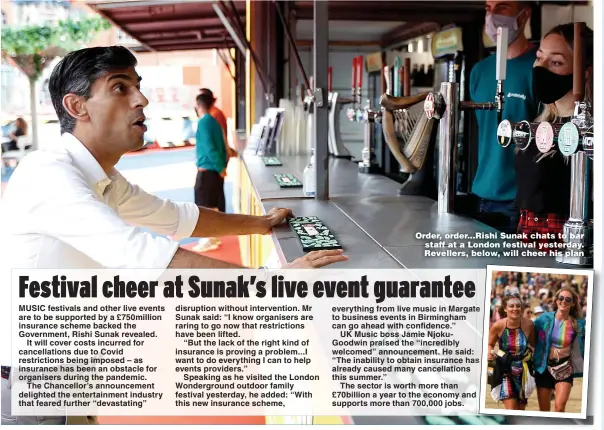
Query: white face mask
point(494, 21)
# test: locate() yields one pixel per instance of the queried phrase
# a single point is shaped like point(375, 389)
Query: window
point(125, 39)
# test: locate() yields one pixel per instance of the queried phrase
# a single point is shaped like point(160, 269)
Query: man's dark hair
point(205, 100)
point(208, 92)
point(78, 70)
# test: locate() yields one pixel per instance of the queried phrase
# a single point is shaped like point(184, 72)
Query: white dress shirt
point(60, 210)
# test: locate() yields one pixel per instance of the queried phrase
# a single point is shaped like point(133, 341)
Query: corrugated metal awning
point(165, 25)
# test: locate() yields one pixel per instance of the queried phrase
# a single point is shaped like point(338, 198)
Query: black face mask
point(550, 87)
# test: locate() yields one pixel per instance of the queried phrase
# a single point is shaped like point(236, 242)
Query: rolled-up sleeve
point(78, 218)
point(163, 216)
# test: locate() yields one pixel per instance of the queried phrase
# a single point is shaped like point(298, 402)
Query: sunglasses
point(565, 299)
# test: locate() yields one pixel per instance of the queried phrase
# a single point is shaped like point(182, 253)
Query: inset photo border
point(529, 293)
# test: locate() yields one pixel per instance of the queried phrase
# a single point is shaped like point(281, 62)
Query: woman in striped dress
point(514, 336)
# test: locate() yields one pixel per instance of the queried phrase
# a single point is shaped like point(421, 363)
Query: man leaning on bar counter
point(67, 207)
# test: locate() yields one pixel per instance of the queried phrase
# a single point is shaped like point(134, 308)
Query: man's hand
point(316, 259)
point(275, 217)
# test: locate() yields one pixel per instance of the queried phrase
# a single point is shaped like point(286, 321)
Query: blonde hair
point(575, 312)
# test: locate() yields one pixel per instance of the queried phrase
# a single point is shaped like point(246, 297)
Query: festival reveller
point(559, 350)
point(512, 380)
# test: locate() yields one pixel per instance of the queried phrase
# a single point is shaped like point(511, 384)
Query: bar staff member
point(543, 180)
point(495, 182)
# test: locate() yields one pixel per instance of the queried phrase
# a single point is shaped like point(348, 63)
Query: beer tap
point(330, 94)
point(359, 80)
point(575, 140)
point(445, 106)
point(368, 116)
point(314, 98)
point(309, 96)
point(335, 103)
point(577, 134)
point(354, 113)
point(500, 75)
point(396, 77)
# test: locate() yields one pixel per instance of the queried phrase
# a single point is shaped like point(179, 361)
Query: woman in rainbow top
point(559, 349)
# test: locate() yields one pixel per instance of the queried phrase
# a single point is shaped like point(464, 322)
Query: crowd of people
point(536, 338)
point(536, 290)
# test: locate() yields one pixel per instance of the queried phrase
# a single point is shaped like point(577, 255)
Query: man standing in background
point(495, 180)
point(219, 116)
point(211, 160)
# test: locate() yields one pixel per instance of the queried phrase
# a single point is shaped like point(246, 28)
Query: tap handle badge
point(523, 134)
point(434, 106)
point(504, 133)
point(429, 106)
point(588, 144)
point(544, 137)
point(568, 139)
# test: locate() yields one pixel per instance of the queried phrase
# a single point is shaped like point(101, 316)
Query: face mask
point(494, 21)
point(550, 87)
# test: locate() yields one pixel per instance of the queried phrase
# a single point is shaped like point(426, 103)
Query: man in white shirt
point(68, 208)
